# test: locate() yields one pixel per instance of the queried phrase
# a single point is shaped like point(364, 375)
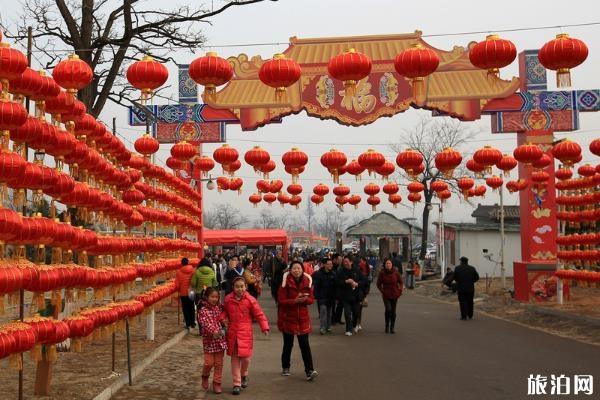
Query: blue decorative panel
point(188, 89)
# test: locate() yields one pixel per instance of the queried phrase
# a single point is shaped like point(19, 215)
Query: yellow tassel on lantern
point(51, 353)
point(15, 361)
point(350, 88)
point(76, 345)
point(563, 77)
point(418, 91)
point(36, 353)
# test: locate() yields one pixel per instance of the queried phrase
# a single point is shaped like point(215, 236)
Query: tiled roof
point(382, 224)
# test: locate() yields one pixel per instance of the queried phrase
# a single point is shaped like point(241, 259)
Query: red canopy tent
point(247, 237)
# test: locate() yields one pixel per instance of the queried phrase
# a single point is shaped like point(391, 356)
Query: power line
point(262, 44)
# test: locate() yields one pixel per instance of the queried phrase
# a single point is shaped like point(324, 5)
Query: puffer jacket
point(239, 314)
point(293, 318)
point(390, 284)
point(203, 278)
point(183, 278)
point(209, 317)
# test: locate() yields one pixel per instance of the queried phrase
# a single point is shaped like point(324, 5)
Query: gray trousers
point(325, 312)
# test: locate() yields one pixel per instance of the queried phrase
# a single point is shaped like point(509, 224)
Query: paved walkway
point(432, 356)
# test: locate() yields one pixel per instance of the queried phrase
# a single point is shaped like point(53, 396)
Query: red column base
point(536, 282)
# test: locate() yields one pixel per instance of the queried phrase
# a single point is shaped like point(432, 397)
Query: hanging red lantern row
point(561, 55)
point(354, 168)
point(416, 63)
point(294, 161)
point(410, 160)
point(492, 54)
point(386, 170)
point(12, 64)
point(334, 160)
point(447, 161)
point(321, 190)
point(507, 164)
point(280, 73)
point(349, 67)
point(488, 157)
point(567, 152)
point(210, 71)
point(256, 157)
point(147, 75)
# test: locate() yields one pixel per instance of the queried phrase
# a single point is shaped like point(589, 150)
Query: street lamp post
point(441, 239)
point(502, 236)
point(410, 237)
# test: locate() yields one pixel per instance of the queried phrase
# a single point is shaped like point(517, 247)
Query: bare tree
point(224, 216)
point(266, 220)
point(107, 33)
point(310, 212)
point(330, 222)
point(429, 137)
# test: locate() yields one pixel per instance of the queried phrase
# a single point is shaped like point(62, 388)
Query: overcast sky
point(277, 21)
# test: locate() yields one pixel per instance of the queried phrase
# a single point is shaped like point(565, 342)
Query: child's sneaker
point(217, 388)
point(285, 372)
point(322, 331)
point(205, 382)
point(245, 381)
point(236, 390)
point(311, 375)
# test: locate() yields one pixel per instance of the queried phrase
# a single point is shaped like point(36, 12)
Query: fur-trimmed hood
point(285, 276)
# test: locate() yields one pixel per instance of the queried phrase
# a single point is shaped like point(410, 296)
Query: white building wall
point(471, 244)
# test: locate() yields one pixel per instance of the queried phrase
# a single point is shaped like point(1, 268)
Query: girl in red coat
point(389, 283)
point(240, 309)
point(294, 297)
point(213, 338)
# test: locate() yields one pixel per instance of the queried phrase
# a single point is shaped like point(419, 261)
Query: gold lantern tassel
point(350, 88)
point(76, 345)
point(15, 361)
point(419, 91)
point(2, 306)
point(35, 354)
point(563, 77)
point(51, 353)
point(281, 95)
point(210, 94)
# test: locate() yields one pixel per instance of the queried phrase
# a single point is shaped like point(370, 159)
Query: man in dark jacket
point(349, 283)
point(279, 268)
point(338, 309)
point(324, 292)
point(465, 277)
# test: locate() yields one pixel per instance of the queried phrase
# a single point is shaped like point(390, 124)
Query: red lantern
point(386, 170)
point(371, 160)
point(542, 162)
point(147, 75)
point(12, 116)
point(294, 189)
point(275, 186)
point(443, 195)
point(567, 152)
point(540, 176)
point(492, 54)
point(210, 71)
point(354, 168)
point(321, 190)
point(255, 198)
point(267, 168)
point(475, 167)
point(294, 161)
point(183, 151)
point(133, 197)
point(341, 190)
point(409, 160)
point(586, 170)
point(391, 188)
point(256, 157)
point(146, 145)
point(174, 163)
point(414, 197)
point(371, 189)
point(488, 156)
point(295, 201)
point(415, 187)
point(416, 63)
point(12, 64)
point(506, 164)
point(373, 202)
point(464, 184)
point(480, 190)
point(283, 198)
point(494, 182)
point(528, 153)
point(448, 160)
point(341, 200)
point(561, 55)
point(204, 164)
point(222, 183)
point(236, 184)
point(349, 67)
point(354, 200)
point(595, 147)
point(563, 174)
point(279, 73)
point(438, 186)
point(263, 186)
point(315, 198)
point(72, 74)
point(394, 199)
point(334, 160)
point(225, 155)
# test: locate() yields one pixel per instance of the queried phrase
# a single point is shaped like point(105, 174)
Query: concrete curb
point(136, 370)
point(561, 314)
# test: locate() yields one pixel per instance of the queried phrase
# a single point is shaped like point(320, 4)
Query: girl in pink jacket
point(213, 338)
point(240, 309)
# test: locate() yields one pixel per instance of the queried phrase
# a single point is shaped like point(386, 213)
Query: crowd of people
point(220, 296)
